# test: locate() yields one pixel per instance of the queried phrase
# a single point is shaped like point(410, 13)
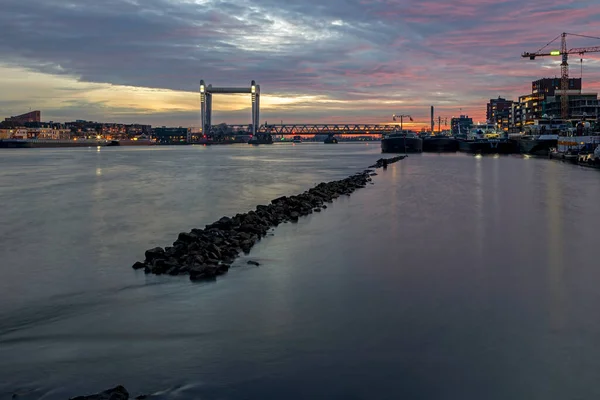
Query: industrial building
point(179, 135)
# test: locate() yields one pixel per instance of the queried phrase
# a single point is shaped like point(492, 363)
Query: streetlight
point(401, 116)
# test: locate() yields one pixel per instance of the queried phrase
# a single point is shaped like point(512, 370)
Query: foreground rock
point(383, 162)
point(117, 393)
point(204, 254)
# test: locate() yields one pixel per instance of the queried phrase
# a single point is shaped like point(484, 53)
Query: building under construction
point(545, 100)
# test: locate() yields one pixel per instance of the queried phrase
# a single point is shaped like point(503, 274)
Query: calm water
point(453, 277)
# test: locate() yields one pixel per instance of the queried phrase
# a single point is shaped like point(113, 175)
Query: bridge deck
point(318, 129)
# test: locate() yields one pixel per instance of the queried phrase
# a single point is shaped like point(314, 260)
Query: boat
point(402, 142)
point(580, 138)
point(569, 155)
point(484, 139)
point(35, 143)
point(136, 141)
point(589, 156)
point(297, 139)
point(575, 143)
point(440, 143)
point(330, 139)
point(261, 138)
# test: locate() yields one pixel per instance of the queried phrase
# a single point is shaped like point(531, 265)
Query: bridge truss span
point(320, 129)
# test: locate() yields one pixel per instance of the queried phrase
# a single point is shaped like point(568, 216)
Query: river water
point(452, 277)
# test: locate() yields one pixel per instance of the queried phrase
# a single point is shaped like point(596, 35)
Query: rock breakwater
point(207, 253)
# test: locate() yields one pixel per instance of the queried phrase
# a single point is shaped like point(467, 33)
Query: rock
point(117, 393)
point(186, 237)
point(214, 249)
point(224, 267)
point(159, 266)
point(279, 200)
point(138, 265)
point(154, 253)
point(294, 216)
point(248, 228)
point(192, 248)
point(224, 223)
point(253, 263)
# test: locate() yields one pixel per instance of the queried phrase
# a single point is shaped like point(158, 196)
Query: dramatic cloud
point(316, 61)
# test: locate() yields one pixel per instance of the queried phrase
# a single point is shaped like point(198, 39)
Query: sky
point(316, 61)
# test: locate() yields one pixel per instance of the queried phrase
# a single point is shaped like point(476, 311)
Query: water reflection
point(479, 207)
point(555, 257)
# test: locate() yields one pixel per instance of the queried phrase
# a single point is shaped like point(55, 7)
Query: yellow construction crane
point(564, 66)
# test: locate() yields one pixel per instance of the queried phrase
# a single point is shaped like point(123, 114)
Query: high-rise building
point(499, 112)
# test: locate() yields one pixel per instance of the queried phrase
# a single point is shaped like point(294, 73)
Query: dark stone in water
point(139, 265)
point(116, 393)
point(154, 253)
point(254, 263)
point(279, 200)
point(187, 237)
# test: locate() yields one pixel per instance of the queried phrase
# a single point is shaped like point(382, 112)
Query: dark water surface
point(453, 277)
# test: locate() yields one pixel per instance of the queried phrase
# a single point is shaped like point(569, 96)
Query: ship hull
point(536, 147)
point(261, 139)
point(440, 144)
point(132, 143)
point(486, 147)
point(401, 145)
point(27, 143)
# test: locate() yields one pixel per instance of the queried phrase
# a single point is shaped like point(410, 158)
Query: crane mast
point(564, 65)
point(564, 78)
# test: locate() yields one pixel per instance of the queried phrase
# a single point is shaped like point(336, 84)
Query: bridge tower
point(206, 92)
